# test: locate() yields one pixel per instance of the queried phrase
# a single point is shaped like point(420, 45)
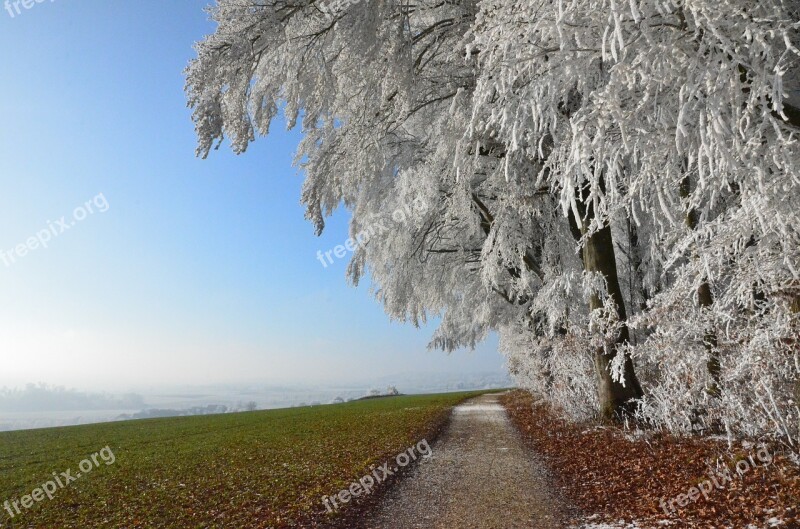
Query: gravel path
point(480, 476)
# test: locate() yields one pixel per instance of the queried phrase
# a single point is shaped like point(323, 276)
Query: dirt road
point(480, 476)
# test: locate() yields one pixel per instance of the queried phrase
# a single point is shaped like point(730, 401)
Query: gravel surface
point(480, 475)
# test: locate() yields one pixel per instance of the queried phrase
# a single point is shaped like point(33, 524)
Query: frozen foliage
point(606, 183)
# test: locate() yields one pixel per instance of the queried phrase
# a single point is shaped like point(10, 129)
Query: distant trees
point(613, 187)
point(211, 409)
point(391, 391)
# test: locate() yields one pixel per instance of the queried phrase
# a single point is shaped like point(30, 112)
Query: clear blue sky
point(199, 271)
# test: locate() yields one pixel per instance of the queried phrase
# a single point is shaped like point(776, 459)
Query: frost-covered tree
point(385, 135)
point(675, 115)
point(602, 182)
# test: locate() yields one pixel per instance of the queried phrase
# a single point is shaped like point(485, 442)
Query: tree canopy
point(612, 186)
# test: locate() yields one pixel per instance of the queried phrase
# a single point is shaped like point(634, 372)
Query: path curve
point(481, 476)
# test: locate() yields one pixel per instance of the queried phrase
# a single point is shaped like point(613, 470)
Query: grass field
point(258, 469)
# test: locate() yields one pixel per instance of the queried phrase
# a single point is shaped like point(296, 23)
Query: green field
point(258, 469)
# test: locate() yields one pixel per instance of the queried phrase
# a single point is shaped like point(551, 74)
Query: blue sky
point(199, 271)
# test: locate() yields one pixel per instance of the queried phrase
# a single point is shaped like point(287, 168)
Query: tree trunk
point(705, 299)
point(795, 308)
point(598, 256)
point(615, 397)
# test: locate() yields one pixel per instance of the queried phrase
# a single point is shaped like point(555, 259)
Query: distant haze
point(40, 405)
